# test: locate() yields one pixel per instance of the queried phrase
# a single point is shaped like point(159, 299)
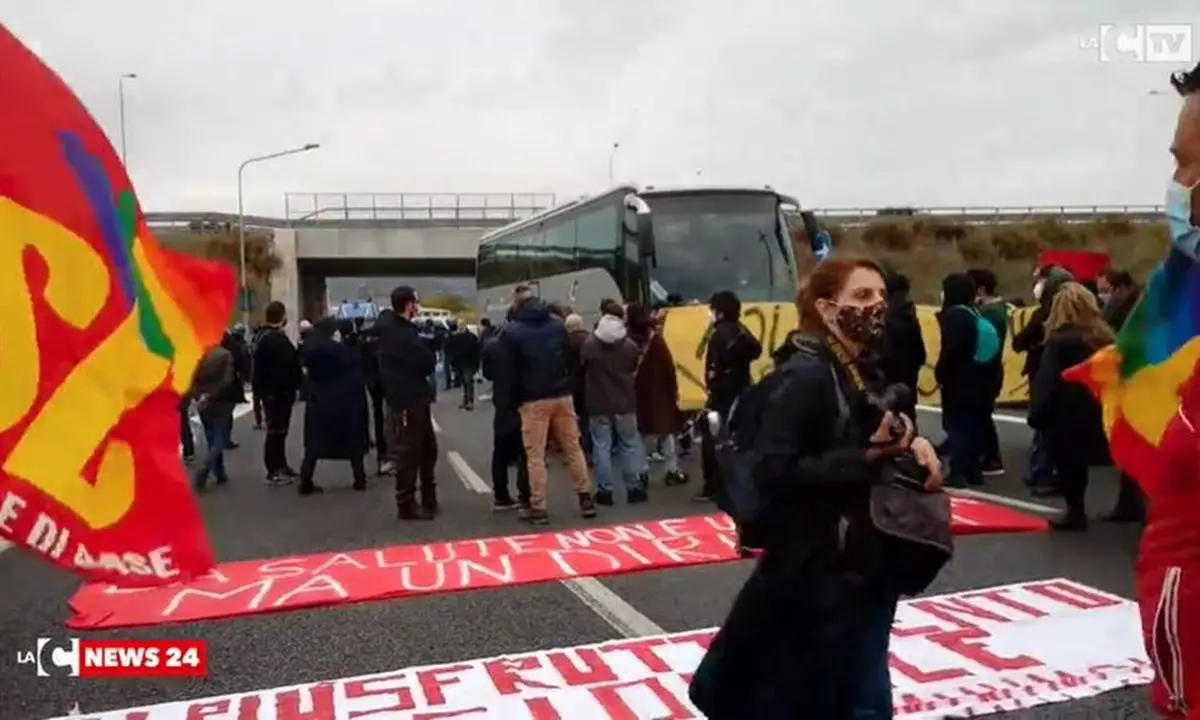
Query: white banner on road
point(969, 653)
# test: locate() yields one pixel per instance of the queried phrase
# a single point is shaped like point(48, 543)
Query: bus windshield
point(709, 242)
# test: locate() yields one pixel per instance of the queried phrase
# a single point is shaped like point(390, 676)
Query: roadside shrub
point(888, 235)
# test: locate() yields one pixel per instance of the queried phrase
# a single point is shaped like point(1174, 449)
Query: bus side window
point(560, 248)
point(534, 243)
point(596, 239)
point(508, 262)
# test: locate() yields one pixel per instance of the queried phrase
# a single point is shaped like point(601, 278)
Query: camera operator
point(808, 633)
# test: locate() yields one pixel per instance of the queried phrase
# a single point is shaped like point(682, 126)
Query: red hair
point(825, 282)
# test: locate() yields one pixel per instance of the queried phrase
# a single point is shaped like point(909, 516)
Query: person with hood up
point(335, 416)
point(657, 394)
point(577, 333)
point(1039, 472)
point(610, 364)
point(533, 362)
point(902, 348)
point(1067, 415)
point(966, 382)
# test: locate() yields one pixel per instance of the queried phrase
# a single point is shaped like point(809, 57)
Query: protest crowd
point(801, 458)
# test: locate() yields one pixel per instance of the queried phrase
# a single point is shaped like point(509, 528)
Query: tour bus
point(663, 247)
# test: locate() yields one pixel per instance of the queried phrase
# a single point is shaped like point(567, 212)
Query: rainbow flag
point(100, 332)
point(1138, 380)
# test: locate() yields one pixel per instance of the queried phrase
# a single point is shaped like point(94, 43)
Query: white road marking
point(1004, 500)
point(436, 428)
point(998, 417)
point(612, 608)
point(467, 474)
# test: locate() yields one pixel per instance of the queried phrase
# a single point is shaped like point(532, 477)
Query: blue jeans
point(873, 686)
point(619, 431)
point(217, 421)
point(1039, 472)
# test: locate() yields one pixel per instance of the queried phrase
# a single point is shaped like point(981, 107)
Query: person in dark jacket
point(966, 385)
point(807, 636)
point(214, 376)
point(657, 395)
point(241, 368)
point(335, 416)
point(507, 448)
point(187, 440)
point(277, 379)
point(1066, 413)
point(1118, 295)
point(730, 352)
point(368, 346)
point(406, 364)
point(577, 334)
point(610, 364)
point(533, 361)
point(463, 351)
point(1039, 471)
point(902, 348)
point(995, 310)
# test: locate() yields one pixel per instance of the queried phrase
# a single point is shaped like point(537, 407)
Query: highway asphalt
point(248, 520)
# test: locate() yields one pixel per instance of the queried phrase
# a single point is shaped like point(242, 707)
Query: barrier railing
point(506, 208)
point(340, 207)
point(996, 214)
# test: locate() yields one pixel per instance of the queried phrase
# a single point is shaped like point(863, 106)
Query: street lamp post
point(612, 158)
point(244, 285)
point(121, 102)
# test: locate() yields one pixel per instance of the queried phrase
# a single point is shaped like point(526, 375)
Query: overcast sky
point(840, 102)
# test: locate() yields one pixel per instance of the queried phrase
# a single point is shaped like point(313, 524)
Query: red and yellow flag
point(100, 332)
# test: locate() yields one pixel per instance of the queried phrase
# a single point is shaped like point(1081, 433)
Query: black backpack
point(736, 439)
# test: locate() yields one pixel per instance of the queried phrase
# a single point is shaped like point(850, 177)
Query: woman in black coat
point(808, 634)
point(1066, 414)
point(335, 416)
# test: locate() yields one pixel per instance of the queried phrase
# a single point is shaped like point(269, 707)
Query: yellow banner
point(687, 330)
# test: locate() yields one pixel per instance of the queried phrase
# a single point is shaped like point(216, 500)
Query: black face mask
point(861, 325)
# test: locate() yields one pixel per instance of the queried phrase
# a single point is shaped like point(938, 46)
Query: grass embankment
point(927, 249)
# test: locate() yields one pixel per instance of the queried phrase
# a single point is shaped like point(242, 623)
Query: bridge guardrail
point(339, 207)
point(429, 212)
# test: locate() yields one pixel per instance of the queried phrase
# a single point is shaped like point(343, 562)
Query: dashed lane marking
point(611, 607)
point(467, 474)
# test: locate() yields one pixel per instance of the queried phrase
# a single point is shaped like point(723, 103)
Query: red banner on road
point(264, 586)
point(967, 654)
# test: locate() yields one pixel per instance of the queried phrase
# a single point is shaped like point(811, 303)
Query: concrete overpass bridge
point(342, 235)
point(327, 235)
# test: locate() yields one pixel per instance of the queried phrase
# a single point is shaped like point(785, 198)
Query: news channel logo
point(52, 658)
point(1142, 43)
